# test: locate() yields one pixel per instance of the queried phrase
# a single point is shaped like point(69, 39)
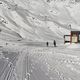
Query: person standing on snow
point(47, 44)
point(54, 43)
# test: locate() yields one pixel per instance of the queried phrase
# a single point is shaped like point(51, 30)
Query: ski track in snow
point(54, 65)
point(45, 63)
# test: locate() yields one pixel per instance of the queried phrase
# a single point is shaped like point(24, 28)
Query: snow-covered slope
point(37, 19)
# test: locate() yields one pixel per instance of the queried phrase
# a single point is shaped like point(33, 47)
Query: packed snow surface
point(25, 26)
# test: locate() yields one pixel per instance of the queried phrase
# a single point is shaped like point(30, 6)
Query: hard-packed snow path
point(45, 63)
point(53, 64)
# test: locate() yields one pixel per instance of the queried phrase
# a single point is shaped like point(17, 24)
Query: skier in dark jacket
point(47, 44)
point(54, 43)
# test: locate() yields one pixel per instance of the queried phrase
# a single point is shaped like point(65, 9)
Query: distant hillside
point(37, 20)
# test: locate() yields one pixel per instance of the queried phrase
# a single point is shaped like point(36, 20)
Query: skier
point(54, 43)
point(47, 44)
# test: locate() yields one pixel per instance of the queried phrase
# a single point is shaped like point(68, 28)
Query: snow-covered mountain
point(37, 19)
